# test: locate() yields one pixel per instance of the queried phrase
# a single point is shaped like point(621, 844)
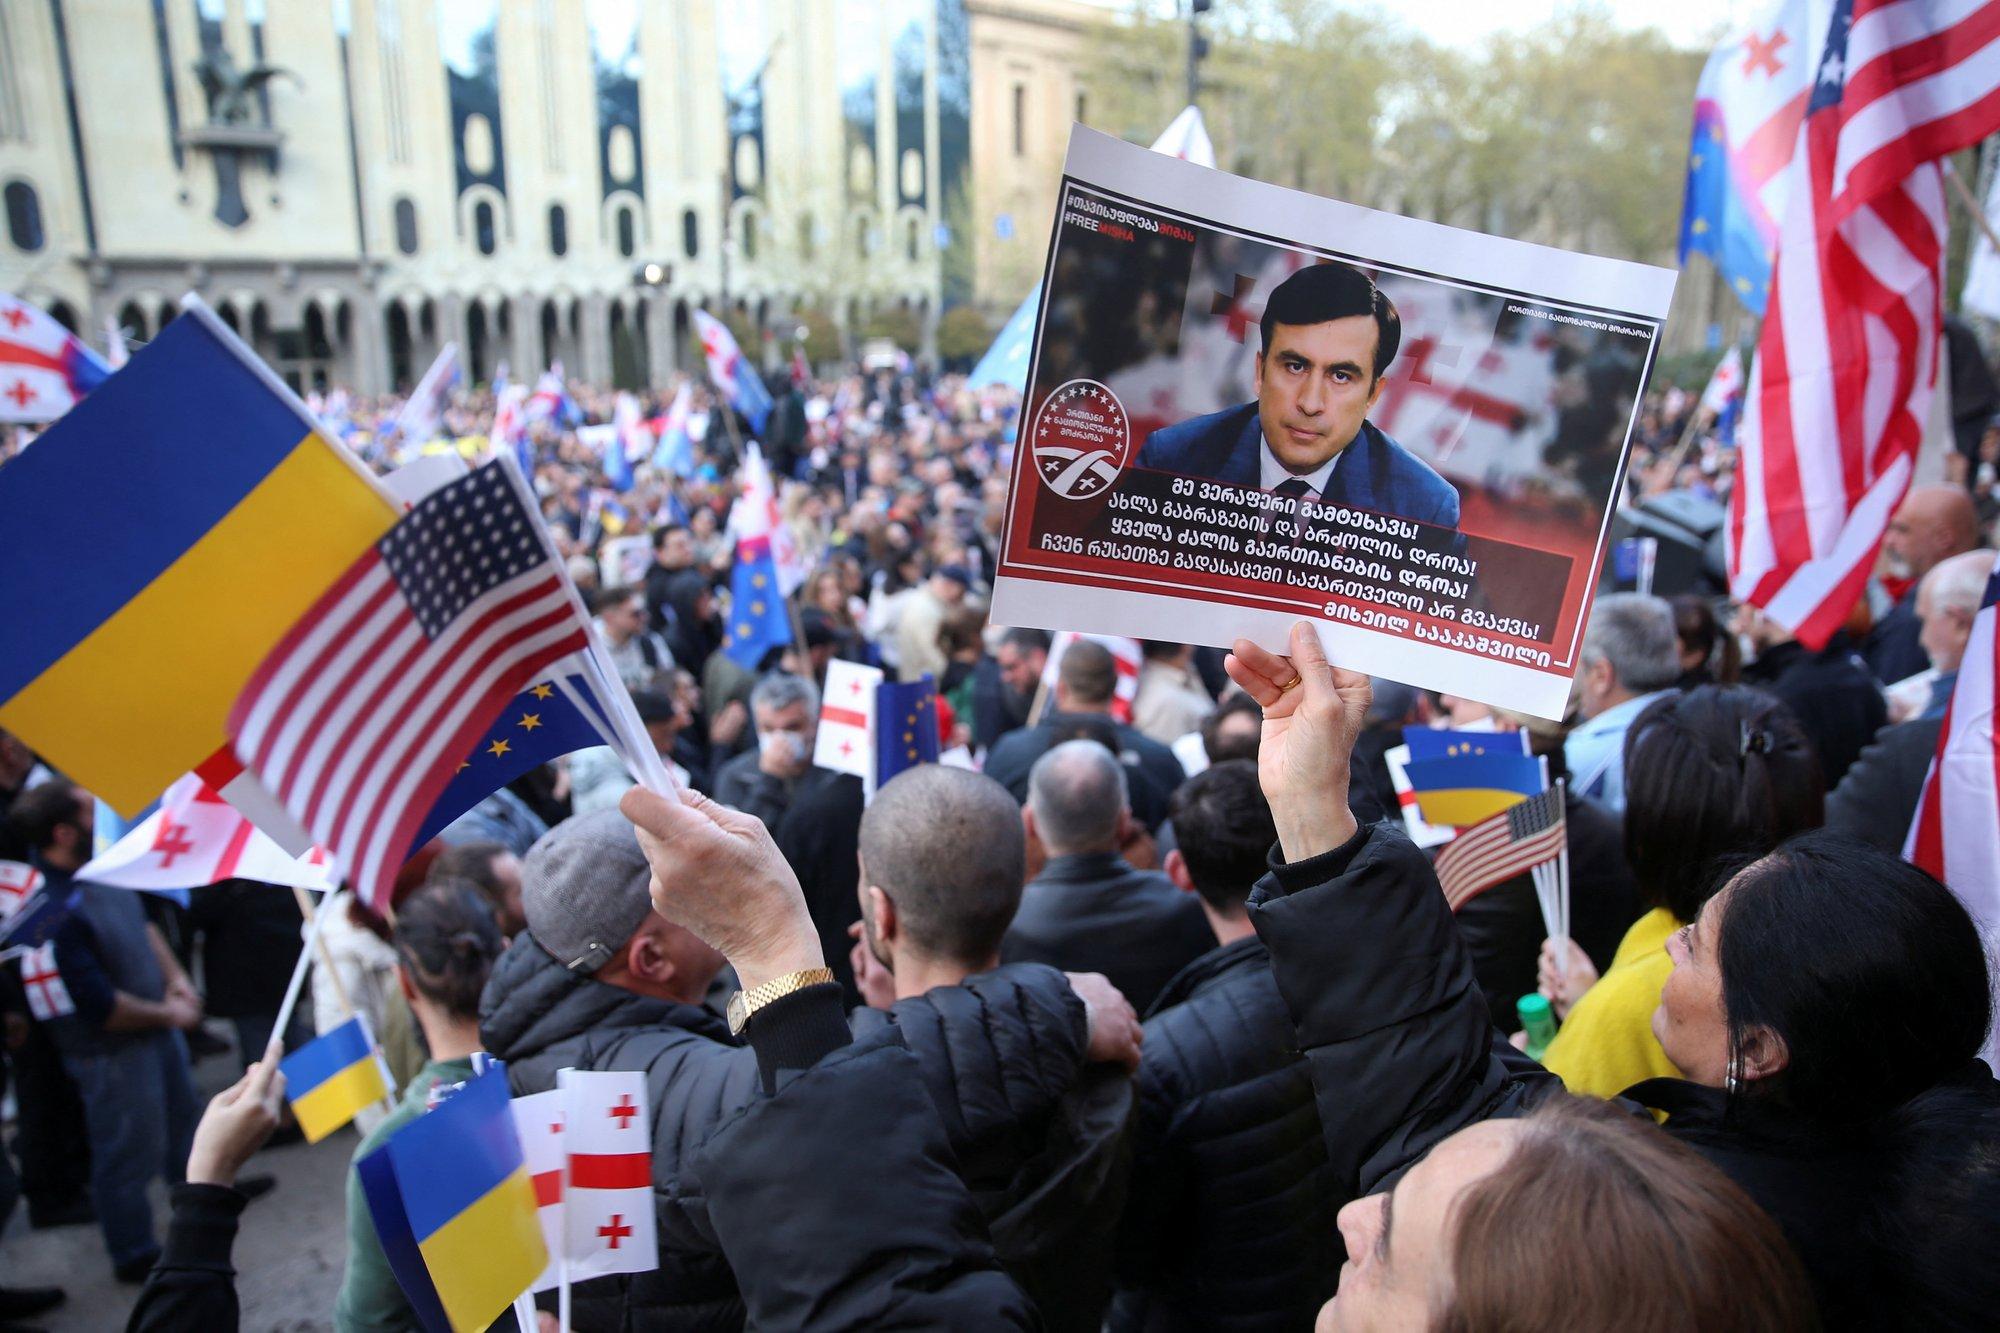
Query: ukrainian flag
point(468, 1205)
point(172, 527)
point(1467, 788)
point(329, 1079)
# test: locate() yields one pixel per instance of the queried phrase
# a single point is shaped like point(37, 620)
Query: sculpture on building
point(239, 123)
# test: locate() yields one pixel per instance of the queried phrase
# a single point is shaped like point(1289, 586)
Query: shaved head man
point(1933, 524)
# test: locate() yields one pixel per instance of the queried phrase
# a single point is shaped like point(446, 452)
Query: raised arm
point(1364, 948)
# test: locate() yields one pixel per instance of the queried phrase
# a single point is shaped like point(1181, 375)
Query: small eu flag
point(1433, 743)
point(758, 621)
point(537, 726)
point(906, 727)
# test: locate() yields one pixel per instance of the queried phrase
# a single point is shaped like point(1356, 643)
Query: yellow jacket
point(1607, 1043)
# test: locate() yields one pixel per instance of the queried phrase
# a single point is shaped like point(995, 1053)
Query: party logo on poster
point(1082, 439)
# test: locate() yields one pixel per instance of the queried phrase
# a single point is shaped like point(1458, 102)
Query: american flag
point(358, 718)
point(1847, 360)
point(1502, 846)
point(1955, 835)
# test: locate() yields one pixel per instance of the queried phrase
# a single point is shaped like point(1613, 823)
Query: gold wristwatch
point(747, 1002)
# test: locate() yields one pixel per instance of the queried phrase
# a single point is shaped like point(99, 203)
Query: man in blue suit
point(1328, 333)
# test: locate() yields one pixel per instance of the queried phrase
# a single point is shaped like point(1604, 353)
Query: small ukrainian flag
point(1466, 788)
point(455, 1208)
point(329, 1079)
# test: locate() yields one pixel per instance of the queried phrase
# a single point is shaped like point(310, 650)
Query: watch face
point(739, 1014)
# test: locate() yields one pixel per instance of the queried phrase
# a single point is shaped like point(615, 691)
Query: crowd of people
point(1142, 1013)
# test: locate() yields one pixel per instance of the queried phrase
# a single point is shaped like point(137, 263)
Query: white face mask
point(785, 744)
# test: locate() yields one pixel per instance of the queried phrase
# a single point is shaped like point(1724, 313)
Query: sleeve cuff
point(796, 1032)
point(1286, 877)
point(203, 1230)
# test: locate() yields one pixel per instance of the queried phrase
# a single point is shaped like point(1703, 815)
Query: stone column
point(368, 350)
point(525, 354)
point(596, 339)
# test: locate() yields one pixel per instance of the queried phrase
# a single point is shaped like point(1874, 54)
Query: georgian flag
point(607, 1202)
point(197, 837)
point(47, 996)
point(845, 741)
point(44, 368)
point(539, 1120)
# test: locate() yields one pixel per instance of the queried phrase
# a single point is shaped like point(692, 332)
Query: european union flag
point(1431, 743)
point(758, 621)
point(1716, 219)
point(1006, 361)
point(540, 724)
point(906, 727)
point(1463, 790)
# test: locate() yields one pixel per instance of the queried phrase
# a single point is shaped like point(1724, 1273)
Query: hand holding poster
point(1248, 405)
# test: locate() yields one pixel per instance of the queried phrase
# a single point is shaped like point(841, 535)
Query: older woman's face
point(1399, 1243)
point(1689, 1022)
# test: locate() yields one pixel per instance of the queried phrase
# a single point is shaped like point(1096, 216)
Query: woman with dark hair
point(1826, 1005)
point(446, 941)
point(1713, 776)
point(1710, 654)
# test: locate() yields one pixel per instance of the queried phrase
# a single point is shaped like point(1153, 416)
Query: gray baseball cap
point(584, 889)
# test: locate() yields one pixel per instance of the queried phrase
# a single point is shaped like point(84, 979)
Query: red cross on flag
point(44, 368)
point(538, 1119)
point(845, 742)
point(607, 1199)
point(47, 996)
point(197, 838)
point(18, 882)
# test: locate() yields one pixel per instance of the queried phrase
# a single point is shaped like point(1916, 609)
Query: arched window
point(749, 235)
point(805, 236)
point(24, 216)
point(558, 231)
point(913, 241)
point(406, 226)
point(628, 240)
point(483, 234)
point(690, 233)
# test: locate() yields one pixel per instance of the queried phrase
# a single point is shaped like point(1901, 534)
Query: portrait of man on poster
point(1328, 335)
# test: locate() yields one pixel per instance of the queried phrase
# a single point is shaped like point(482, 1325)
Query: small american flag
point(358, 718)
point(1847, 358)
point(1501, 846)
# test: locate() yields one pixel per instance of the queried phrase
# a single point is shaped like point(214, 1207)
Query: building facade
point(354, 183)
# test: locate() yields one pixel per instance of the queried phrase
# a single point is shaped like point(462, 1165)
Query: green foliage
point(897, 325)
point(1573, 132)
point(963, 336)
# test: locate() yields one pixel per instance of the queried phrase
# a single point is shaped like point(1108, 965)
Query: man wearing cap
point(923, 616)
point(599, 982)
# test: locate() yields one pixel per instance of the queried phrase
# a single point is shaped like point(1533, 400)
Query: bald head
point(1076, 792)
point(945, 845)
point(1932, 524)
point(1947, 601)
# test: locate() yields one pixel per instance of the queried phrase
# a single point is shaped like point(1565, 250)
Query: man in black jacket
point(1090, 910)
point(598, 981)
point(1086, 683)
point(1046, 1161)
point(1231, 1219)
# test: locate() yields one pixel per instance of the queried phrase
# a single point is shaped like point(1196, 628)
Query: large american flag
point(1502, 846)
point(1956, 835)
point(1846, 364)
point(358, 718)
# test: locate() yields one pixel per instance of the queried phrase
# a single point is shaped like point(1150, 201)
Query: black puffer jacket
point(1041, 1138)
point(1230, 1224)
point(539, 1017)
point(993, 1052)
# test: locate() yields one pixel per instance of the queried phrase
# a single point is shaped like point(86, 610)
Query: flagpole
point(1965, 197)
point(305, 903)
point(292, 988)
point(562, 1293)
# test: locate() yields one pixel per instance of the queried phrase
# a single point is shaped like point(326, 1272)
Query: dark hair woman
point(1826, 1006)
point(1710, 654)
point(1712, 776)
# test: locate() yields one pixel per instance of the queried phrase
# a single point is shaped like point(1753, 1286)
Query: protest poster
point(1441, 515)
